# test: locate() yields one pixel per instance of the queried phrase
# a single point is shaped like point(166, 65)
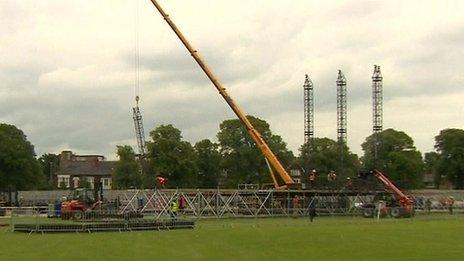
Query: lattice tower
point(377, 100)
point(308, 110)
point(341, 108)
point(139, 132)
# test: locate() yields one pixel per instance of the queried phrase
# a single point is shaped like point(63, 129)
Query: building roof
point(88, 168)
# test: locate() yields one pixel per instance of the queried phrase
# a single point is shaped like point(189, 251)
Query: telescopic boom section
point(404, 200)
point(267, 152)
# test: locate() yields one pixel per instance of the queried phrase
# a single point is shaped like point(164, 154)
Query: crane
point(401, 206)
point(136, 114)
point(270, 157)
point(139, 133)
point(405, 202)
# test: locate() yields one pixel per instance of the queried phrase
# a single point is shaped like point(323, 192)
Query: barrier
point(94, 221)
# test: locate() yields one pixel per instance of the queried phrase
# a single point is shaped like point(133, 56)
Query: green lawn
point(328, 238)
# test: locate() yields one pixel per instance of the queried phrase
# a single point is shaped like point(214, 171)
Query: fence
point(33, 221)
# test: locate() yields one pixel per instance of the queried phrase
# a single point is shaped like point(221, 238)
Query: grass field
point(328, 238)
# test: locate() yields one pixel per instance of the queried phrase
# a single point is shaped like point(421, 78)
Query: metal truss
point(308, 109)
point(241, 203)
point(247, 203)
point(341, 108)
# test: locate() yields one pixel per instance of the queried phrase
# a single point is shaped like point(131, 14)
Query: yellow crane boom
point(255, 135)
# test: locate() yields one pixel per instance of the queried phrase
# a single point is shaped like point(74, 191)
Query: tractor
point(81, 202)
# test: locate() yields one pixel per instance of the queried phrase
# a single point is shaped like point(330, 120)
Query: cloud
point(67, 68)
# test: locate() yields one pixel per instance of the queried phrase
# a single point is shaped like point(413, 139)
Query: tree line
point(234, 159)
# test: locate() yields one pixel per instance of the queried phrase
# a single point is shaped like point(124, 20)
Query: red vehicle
point(80, 202)
point(396, 203)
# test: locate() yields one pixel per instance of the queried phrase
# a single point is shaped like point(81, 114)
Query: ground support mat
point(98, 227)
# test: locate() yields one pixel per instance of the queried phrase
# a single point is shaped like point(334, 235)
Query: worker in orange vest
point(161, 181)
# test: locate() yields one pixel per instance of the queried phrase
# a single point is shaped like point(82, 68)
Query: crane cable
point(136, 53)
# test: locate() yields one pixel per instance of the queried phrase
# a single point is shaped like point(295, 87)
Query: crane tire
point(368, 212)
point(78, 215)
point(396, 212)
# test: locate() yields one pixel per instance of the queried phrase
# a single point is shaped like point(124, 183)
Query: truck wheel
point(64, 215)
point(78, 215)
point(368, 212)
point(395, 212)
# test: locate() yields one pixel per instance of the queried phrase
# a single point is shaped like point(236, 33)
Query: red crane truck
point(397, 205)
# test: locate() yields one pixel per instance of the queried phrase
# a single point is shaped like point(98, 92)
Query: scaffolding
point(341, 116)
point(308, 110)
point(377, 100)
point(377, 109)
point(328, 198)
point(341, 108)
point(243, 203)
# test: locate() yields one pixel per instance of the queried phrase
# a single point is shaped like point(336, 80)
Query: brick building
point(76, 170)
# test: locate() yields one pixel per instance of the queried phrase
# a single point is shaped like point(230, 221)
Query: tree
point(19, 169)
point(49, 164)
point(171, 157)
point(323, 155)
point(127, 172)
point(431, 160)
point(450, 147)
point(242, 161)
point(396, 156)
point(208, 162)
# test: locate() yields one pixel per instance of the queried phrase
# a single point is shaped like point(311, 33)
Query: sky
point(68, 69)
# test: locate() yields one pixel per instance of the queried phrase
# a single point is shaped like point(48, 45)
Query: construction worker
point(312, 177)
point(174, 208)
point(331, 176)
point(312, 209)
point(349, 183)
point(428, 205)
point(296, 205)
point(450, 203)
point(161, 181)
point(182, 203)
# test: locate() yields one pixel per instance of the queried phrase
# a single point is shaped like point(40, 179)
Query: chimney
point(65, 158)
